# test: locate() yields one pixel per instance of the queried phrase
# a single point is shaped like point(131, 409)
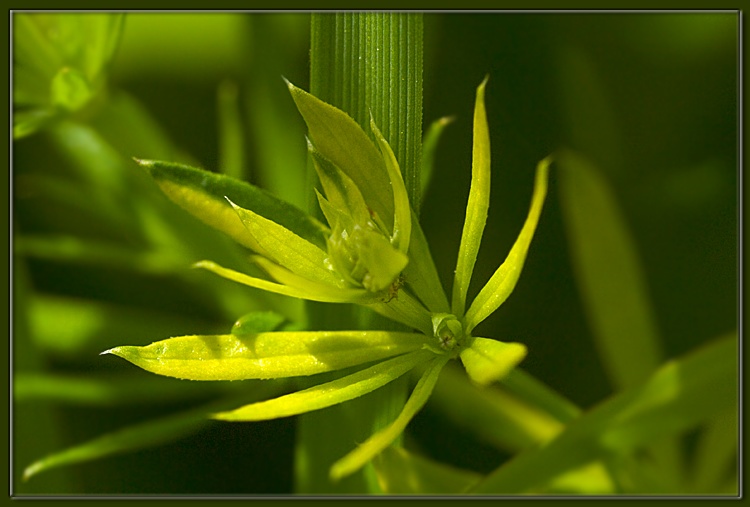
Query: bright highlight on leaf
point(487, 361)
point(266, 355)
point(476, 208)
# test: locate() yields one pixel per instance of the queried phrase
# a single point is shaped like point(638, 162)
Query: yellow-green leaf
point(489, 360)
point(204, 193)
point(313, 290)
point(401, 209)
point(429, 148)
point(328, 394)
point(383, 438)
point(266, 355)
point(340, 190)
point(342, 141)
point(502, 283)
point(421, 275)
point(287, 248)
point(477, 206)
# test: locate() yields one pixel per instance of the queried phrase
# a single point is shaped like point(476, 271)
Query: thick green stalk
point(362, 63)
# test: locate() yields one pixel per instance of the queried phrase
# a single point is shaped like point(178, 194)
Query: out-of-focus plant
point(59, 64)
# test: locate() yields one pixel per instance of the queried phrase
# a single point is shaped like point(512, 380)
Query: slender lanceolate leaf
point(680, 395)
point(383, 438)
point(342, 141)
point(610, 278)
point(147, 434)
point(266, 355)
point(204, 193)
point(314, 292)
point(502, 283)
point(330, 393)
point(429, 148)
point(421, 275)
point(403, 473)
point(476, 208)
point(286, 247)
point(487, 361)
point(401, 209)
point(136, 437)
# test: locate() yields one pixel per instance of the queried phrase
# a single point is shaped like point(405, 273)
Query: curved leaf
point(383, 438)
point(266, 355)
point(401, 209)
point(502, 283)
point(310, 290)
point(330, 393)
point(287, 248)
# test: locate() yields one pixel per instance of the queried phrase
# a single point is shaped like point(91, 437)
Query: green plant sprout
point(372, 252)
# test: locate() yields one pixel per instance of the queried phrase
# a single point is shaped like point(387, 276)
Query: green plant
point(363, 242)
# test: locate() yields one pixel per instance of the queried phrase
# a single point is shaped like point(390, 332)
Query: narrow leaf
point(144, 435)
point(330, 393)
point(487, 361)
point(610, 278)
point(429, 149)
point(383, 438)
point(342, 141)
point(502, 283)
point(313, 290)
point(421, 275)
point(337, 296)
point(266, 355)
point(477, 206)
point(403, 473)
point(132, 438)
point(402, 211)
point(203, 194)
point(287, 248)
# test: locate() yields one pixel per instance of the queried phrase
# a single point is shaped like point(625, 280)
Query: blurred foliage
point(648, 101)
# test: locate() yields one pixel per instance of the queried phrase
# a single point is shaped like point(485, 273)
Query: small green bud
point(448, 330)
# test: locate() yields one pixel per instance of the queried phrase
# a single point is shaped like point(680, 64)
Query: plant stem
point(362, 63)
